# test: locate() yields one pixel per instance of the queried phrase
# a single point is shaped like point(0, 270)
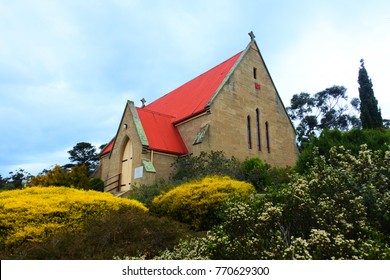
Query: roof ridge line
point(195, 77)
point(155, 112)
point(228, 75)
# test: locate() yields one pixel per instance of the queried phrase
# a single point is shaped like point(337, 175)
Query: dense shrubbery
point(77, 177)
point(252, 170)
point(146, 194)
point(339, 210)
point(15, 180)
point(197, 202)
point(375, 139)
point(65, 223)
point(33, 214)
point(192, 167)
point(262, 175)
point(126, 232)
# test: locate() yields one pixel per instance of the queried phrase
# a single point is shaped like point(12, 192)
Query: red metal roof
point(108, 147)
point(162, 135)
point(192, 97)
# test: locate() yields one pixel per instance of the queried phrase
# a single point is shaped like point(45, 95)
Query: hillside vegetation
point(334, 205)
point(34, 213)
point(66, 223)
point(198, 202)
point(338, 209)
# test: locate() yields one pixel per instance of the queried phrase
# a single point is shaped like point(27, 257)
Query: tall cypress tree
point(370, 115)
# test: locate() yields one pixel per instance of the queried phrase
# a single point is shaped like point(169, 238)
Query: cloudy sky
point(68, 67)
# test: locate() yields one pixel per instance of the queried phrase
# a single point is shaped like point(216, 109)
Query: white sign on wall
point(138, 172)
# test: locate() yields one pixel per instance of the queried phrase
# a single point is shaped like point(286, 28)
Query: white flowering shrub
point(191, 249)
point(341, 205)
point(339, 209)
point(298, 250)
point(250, 231)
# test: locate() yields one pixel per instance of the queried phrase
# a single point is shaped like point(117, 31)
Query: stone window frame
point(258, 136)
point(249, 133)
point(267, 137)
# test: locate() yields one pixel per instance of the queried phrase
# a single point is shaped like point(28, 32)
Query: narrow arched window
point(267, 137)
point(258, 129)
point(248, 124)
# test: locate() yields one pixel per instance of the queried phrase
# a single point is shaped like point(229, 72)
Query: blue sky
point(68, 67)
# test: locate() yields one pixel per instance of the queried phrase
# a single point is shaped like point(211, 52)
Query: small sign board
point(138, 172)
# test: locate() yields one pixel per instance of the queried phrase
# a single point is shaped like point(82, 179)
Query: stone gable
point(244, 117)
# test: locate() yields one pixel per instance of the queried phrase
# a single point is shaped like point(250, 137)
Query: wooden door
point(127, 159)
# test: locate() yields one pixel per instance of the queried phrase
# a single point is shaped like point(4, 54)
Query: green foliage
point(84, 154)
point(256, 172)
point(188, 249)
point(96, 184)
point(280, 176)
point(205, 164)
point(324, 110)
point(370, 115)
point(339, 209)
point(342, 201)
point(77, 178)
point(249, 231)
point(3, 182)
point(128, 232)
point(252, 170)
point(375, 139)
point(15, 180)
point(197, 202)
point(146, 194)
point(262, 175)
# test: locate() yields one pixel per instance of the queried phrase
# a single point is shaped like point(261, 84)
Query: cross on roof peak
point(143, 102)
point(252, 35)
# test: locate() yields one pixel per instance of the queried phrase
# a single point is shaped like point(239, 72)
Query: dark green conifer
point(370, 115)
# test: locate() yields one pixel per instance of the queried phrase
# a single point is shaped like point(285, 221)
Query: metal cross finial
point(143, 102)
point(252, 35)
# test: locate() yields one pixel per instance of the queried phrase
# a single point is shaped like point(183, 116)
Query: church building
point(233, 107)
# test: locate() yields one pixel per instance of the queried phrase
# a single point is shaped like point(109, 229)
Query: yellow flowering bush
point(197, 203)
point(33, 214)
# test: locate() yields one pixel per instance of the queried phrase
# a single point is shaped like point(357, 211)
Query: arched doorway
point(127, 159)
